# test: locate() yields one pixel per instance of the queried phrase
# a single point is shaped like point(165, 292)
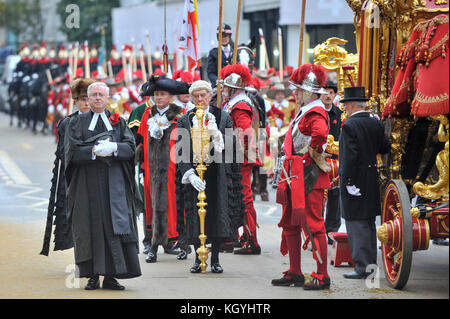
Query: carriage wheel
point(396, 234)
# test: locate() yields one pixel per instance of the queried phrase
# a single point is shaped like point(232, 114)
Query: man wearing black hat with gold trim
point(362, 138)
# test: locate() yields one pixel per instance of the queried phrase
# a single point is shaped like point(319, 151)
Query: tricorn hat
point(356, 93)
point(162, 83)
point(79, 87)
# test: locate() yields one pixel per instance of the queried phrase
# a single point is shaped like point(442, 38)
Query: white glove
point(279, 122)
point(141, 178)
point(105, 148)
point(353, 190)
point(197, 183)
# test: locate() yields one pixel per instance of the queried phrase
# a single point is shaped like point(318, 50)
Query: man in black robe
point(222, 180)
point(101, 193)
point(361, 139)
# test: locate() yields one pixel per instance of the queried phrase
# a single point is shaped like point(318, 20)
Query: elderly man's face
point(202, 98)
point(83, 104)
point(162, 99)
point(98, 98)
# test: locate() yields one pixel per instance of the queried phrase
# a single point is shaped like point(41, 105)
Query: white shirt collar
point(358, 112)
point(161, 112)
point(284, 103)
point(95, 119)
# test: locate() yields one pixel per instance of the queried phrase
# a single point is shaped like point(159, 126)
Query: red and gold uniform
point(300, 210)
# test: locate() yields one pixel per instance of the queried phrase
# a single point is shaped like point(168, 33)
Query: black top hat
point(356, 93)
point(161, 83)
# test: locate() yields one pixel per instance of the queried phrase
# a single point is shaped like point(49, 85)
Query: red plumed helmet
point(236, 76)
point(310, 77)
point(180, 75)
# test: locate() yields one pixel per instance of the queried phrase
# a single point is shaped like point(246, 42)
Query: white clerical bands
point(95, 119)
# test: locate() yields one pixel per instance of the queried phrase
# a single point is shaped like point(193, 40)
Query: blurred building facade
point(324, 19)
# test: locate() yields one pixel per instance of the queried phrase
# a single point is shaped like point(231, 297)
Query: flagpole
point(219, 55)
point(238, 22)
point(302, 32)
point(87, 69)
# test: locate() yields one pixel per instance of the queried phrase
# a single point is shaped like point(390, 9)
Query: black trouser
point(333, 216)
point(215, 248)
point(259, 182)
point(362, 239)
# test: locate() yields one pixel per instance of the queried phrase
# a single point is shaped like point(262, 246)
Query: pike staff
point(238, 22)
point(219, 56)
point(302, 34)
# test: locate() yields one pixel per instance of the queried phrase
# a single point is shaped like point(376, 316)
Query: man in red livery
point(304, 179)
point(246, 123)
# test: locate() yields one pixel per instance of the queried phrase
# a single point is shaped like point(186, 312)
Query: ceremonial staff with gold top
point(200, 147)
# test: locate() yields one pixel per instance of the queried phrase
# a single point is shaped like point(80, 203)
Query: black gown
point(102, 201)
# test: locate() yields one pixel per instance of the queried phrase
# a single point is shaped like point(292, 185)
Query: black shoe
point(248, 250)
point(152, 254)
point(184, 252)
point(93, 283)
point(289, 279)
point(237, 244)
point(216, 268)
point(356, 275)
point(440, 242)
point(112, 284)
point(226, 247)
point(172, 249)
point(195, 269)
point(146, 248)
point(318, 282)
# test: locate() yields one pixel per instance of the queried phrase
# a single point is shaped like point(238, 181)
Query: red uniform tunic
point(296, 208)
point(243, 115)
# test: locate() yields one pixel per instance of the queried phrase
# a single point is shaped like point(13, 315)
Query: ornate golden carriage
point(402, 61)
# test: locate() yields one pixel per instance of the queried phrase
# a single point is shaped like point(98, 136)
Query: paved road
point(25, 171)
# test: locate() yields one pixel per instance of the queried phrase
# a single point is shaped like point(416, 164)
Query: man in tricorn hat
point(227, 54)
point(304, 179)
point(158, 128)
point(362, 138)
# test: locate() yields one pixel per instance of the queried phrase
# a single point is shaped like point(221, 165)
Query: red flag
point(189, 35)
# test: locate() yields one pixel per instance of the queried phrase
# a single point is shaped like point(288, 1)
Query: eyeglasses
point(97, 95)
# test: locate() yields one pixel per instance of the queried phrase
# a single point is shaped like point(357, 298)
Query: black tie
point(100, 126)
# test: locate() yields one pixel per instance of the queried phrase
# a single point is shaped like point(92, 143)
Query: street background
point(26, 162)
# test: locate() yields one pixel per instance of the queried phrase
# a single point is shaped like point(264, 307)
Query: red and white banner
point(189, 35)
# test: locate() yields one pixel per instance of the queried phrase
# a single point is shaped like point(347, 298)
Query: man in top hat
point(362, 138)
point(304, 179)
point(227, 54)
point(333, 213)
point(245, 118)
point(58, 203)
point(158, 130)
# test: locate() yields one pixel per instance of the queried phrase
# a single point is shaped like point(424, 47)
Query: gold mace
point(200, 147)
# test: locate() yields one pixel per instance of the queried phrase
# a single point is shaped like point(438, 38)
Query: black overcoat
point(225, 210)
point(361, 139)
